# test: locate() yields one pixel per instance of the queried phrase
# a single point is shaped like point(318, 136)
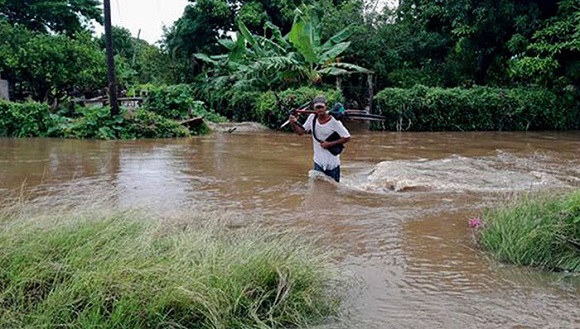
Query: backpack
point(337, 111)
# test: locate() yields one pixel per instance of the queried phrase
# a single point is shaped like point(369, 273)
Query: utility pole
point(136, 45)
point(110, 60)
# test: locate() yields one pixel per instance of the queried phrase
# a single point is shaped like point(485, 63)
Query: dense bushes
point(36, 120)
point(271, 113)
point(146, 124)
point(264, 107)
point(159, 118)
point(417, 109)
point(96, 122)
point(178, 102)
point(25, 119)
point(480, 108)
point(241, 106)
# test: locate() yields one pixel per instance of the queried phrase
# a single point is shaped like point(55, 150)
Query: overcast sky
point(147, 15)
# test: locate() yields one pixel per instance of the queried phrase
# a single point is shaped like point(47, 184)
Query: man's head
point(319, 103)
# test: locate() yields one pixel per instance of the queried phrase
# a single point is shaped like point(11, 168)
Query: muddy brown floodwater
point(398, 219)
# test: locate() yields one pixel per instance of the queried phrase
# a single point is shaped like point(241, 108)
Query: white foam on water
point(502, 172)
point(316, 175)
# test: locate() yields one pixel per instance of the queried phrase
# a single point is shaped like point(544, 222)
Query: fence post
point(371, 91)
point(4, 89)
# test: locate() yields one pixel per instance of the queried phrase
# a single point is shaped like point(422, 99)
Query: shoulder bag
point(335, 149)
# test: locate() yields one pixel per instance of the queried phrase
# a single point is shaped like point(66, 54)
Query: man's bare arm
point(296, 126)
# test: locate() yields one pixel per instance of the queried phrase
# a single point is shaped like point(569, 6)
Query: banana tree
point(251, 60)
point(276, 61)
point(320, 59)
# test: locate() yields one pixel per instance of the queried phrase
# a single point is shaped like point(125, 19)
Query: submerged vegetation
point(160, 117)
point(122, 269)
point(535, 230)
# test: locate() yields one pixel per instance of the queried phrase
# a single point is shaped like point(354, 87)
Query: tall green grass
point(535, 230)
point(77, 269)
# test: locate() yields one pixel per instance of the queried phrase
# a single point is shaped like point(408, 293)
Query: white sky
point(148, 15)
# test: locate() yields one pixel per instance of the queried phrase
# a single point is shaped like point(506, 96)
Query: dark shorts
point(333, 173)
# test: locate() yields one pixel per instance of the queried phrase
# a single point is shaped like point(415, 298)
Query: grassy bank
point(126, 270)
point(535, 230)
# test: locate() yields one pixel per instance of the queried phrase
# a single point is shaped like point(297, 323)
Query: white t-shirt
point(322, 156)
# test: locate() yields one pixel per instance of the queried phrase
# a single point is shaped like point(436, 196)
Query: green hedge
point(259, 106)
point(25, 119)
point(272, 114)
point(178, 102)
point(480, 108)
point(263, 107)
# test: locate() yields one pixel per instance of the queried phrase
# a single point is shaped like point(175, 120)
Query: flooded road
point(398, 220)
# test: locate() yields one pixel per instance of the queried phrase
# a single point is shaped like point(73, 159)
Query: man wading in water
point(323, 125)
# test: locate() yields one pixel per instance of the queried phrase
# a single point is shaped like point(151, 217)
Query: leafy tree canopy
point(59, 16)
point(478, 33)
point(554, 51)
point(144, 63)
point(123, 42)
point(49, 67)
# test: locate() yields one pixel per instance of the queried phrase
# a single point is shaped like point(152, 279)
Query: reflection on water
point(397, 219)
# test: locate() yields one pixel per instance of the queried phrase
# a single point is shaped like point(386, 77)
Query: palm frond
point(333, 71)
point(205, 58)
point(339, 37)
point(350, 67)
point(333, 52)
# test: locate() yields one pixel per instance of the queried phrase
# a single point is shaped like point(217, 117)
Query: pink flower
point(475, 222)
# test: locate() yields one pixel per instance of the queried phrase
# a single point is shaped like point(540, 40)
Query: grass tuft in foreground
point(122, 270)
point(535, 230)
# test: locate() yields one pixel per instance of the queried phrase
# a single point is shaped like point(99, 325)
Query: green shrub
point(270, 113)
point(480, 108)
point(174, 102)
point(261, 107)
point(535, 230)
point(242, 106)
point(146, 124)
point(25, 119)
point(97, 123)
point(177, 102)
point(94, 123)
